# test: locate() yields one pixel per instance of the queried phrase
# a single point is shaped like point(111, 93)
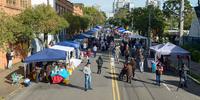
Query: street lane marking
point(117, 87)
point(114, 82)
point(167, 87)
point(113, 86)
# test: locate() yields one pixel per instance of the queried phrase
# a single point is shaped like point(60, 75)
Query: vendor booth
point(54, 62)
point(169, 49)
point(73, 44)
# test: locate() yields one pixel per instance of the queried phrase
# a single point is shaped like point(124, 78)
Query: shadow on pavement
point(74, 86)
point(109, 77)
point(192, 88)
point(113, 73)
point(105, 67)
point(151, 83)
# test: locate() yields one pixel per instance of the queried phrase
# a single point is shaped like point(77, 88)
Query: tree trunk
point(45, 44)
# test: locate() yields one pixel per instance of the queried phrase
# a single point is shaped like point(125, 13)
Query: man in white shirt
point(95, 50)
point(84, 46)
point(87, 72)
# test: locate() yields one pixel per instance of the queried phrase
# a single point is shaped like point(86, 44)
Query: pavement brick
point(6, 87)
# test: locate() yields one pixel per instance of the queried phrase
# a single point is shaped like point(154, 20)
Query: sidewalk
point(6, 87)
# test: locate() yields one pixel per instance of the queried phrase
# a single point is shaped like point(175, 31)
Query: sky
point(106, 5)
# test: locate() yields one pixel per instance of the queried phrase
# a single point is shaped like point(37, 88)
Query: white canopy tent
point(63, 48)
point(156, 47)
point(137, 36)
point(169, 48)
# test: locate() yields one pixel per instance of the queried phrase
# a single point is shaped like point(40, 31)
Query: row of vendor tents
point(61, 51)
point(88, 34)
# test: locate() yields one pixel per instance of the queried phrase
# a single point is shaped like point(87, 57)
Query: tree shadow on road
point(74, 86)
point(112, 78)
point(192, 88)
point(113, 73)
point(151, 83)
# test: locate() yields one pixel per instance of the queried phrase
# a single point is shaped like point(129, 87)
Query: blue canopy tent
point(98, 27)
point(80, 36)
point(90, 32)
point(47, 55)
point(120, 28)
point(76, 45)
point(70, 44)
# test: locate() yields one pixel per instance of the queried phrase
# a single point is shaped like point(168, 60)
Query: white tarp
point(63, 48)
point(170, 48)
point(76, 62)
point(136, 36)
point(156, 47)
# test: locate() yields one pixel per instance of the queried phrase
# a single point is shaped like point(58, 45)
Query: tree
point(8, 31)
point(84, 21)
point(171, 9)
point(97, 17)
point(139, 19)
point(74, 23)
point(121, 17)
point(42, 19)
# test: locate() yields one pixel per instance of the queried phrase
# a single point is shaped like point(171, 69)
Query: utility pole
point(181, 22)
point(149, 29)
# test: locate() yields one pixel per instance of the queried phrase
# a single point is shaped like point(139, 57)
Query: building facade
point(13, 7)
point(78, 9)
point(156, 3)
point(118, 4)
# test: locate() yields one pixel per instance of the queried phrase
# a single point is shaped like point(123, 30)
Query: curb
point(194, 79)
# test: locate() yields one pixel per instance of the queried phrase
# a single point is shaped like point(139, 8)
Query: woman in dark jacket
point(99, 64)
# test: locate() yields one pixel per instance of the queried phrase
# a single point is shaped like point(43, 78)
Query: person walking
point(99, 64)
point(159, 71)
point(141, 60)
point(95, 50)
point(117, 52)
point(183, 75)
point(87, 73)
point(126, 53)
point(9, 56)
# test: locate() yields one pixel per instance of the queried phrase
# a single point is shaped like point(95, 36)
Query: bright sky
point(106, 5)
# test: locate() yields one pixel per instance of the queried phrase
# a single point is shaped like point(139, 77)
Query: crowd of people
point(133, 53)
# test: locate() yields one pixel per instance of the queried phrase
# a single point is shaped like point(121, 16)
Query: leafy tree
point(42, 19)
point(74, 23)
point(84, 22)
point(97, 17)
point(9, 30)
point(171, 10)
point(139, 19)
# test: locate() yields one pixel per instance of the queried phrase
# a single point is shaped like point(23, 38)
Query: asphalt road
point(107, 87)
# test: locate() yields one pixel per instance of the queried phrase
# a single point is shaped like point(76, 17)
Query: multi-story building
point(60, 6)
point(13, 7)
point(122, 4)
point(156, 3)
point(78, 9)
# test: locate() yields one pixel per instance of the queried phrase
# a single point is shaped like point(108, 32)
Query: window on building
point(24, 3)
point(11, 2)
